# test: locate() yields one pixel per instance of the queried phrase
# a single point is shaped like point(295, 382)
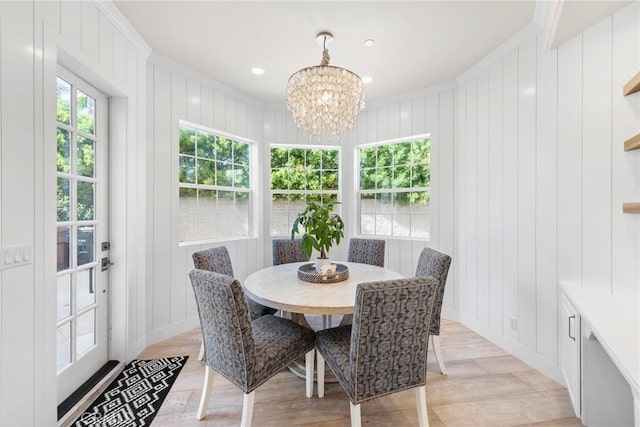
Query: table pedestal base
point(298, 367)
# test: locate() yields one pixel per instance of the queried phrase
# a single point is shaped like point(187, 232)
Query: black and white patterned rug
point(135, 396)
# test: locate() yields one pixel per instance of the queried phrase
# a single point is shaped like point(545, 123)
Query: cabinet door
point(569, 337)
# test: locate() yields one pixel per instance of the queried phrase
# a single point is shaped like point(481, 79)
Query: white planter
point(324, 266)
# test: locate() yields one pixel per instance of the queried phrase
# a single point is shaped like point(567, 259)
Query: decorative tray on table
point(308, 273)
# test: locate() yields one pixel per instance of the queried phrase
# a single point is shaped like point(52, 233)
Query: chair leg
point(247, 409)
point(206, 392)
point(308, 359)
point(356, 421)
point(201, 354)
point(421, 403)
point(320, 373)
point(435, 340)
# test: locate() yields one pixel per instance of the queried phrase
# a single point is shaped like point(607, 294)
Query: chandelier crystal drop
point(323, 99)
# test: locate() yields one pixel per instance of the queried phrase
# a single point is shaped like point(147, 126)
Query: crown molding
point(541, 12)
point(551, 25)
point(527, 33)
point(124, 26)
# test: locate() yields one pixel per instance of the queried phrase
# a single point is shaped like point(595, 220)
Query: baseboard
point(172, 330)
point(88, 398)
point(136, 349)
point(551, 370)
point(450, 314)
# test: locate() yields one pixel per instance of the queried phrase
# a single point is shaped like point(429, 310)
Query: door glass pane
point(64, 296)
point(86, 207)
point(63, 345)
point(64, 204)
point(85, 288)
point(64, 154)
point(85, 244)
point(86, 112)
point(85, 332)
point(63, 94)
point(85, 157)
point(64, 261)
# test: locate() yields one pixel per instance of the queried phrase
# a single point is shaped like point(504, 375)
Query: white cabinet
point(599, 349)
point(569, 337)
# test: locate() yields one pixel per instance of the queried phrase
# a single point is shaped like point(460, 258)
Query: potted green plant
point(322, 229)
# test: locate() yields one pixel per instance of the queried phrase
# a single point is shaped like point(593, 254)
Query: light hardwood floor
point(485, 387)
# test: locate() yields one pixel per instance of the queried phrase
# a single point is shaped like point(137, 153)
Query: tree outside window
point(394, 188)
point(299, 175)
point(214, 185)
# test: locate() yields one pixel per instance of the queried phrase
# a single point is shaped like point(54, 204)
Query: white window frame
point(359, 192)
point(251, 233)
point(337, 192)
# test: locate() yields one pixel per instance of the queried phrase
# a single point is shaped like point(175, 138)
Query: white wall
point(34, 37)
point(177, 93)
point(543, 176)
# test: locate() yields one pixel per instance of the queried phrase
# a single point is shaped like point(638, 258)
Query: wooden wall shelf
point(631, 207)
point(632, 143)
point(632, 85)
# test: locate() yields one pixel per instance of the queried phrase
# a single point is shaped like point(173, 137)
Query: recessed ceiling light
point(369, 43)
point(367, 79)
point(257, 71)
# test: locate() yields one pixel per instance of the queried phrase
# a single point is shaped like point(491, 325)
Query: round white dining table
point(280, 288)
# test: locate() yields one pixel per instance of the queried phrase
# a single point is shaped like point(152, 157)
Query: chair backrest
point(214, 259)
point(286, 251)
point(390, 335)
point(435, 264)
point(366, 251)
point(226, 327)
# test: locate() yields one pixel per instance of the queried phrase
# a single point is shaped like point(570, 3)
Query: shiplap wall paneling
point(596, 155)
point(425, 120)
point(570, 160)
point(510, 182)
point(460, 197)
point(482, 198)
point(90, 24)
point(220, 110)
point(161, 284)
point(150, 226)
point(178, 258)
point(546, 201)
point(140, 196)
point(17, 293)
point(71, 26)
point(471, 168)
point(105, 44)
point(626, 166)
point(527, 296)
point(445, 207)
point(495, 197)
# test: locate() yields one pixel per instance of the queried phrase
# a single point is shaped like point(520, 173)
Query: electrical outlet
point(513, 324)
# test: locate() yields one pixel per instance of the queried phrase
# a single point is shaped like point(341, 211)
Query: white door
point(82, 227)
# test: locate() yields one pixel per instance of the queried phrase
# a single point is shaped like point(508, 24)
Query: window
point(215, 185)
point(298, 175)
point(394, 188)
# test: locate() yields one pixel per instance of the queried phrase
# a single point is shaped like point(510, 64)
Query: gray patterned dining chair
point(286, 251)
point(366, 251)
point(385, 350)
point(245, 352)
point(217, 259)
point(435, 264)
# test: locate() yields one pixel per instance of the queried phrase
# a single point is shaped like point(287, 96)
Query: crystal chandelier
point(323, 99)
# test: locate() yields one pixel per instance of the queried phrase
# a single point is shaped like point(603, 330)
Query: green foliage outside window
point(394, 188)
point(214, 180)
point(84, 153)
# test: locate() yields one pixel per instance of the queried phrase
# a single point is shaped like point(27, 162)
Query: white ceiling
point(418, 44)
